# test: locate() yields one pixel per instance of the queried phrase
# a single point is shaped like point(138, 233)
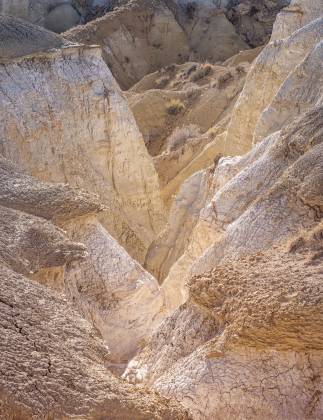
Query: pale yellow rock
point(184, 214)
point(267, 74)
point(47, 349)
point(113, 291)
point(248, 341)
point(299, 93)
point(298, 14)
point(204, 233)
point(210, 153)
point(64, 119)
point(251, 176)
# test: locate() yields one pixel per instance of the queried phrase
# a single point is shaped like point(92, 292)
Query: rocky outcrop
point(143, 36)
point(25, 204)
point(139, 36)
point(21, 38)
point(297, 94)
point(253, 19)
point(234, 328)
point(268, 73)
point(137, 39)
point(298, 14)
point(233, 222)
point(203, 232)
point(52, 361)
point(75, 126)
point(170, 245)
point(289, 177)
point(248, 341)
point(218, 28)
point(113, 291)
point(210, 34)
point(66, 121)
point(244, 340)
point(55, 15)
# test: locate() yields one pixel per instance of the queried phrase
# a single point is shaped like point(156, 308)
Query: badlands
point(161, 209)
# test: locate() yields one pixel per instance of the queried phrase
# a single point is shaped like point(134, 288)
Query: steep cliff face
point(144, 36)
point(53, 362)
point(109, 288)
point(248, 342)
point(269, 71)
point(226, 204)
point(239, 347)
point(294, 17)
point(65, 120)
point(75, 126)
point(113, 291)
point(137, 39)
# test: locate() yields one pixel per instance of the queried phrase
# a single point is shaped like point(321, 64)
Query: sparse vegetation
point(224, 78)
point(161, 82)
point(202, 71)
point(181, 135)
point(241, 68)
point(192, 68)
point(175, 106)
point(192, 92)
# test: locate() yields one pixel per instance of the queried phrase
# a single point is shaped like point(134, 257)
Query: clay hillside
point(161, 209)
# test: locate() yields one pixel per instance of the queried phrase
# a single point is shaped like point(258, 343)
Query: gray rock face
point(55, 15)
point(254, 19)
point(28, 241)
point(61, 18)
point(18, 38)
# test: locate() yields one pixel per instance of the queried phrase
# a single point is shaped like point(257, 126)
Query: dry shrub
point(175, 106)
point(224, 78)
point(180, 135)
point(191, 69)
point(161, 82)
point(202, 71)
point(192, 92)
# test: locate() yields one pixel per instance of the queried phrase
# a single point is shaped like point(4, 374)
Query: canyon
point(161, 203)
